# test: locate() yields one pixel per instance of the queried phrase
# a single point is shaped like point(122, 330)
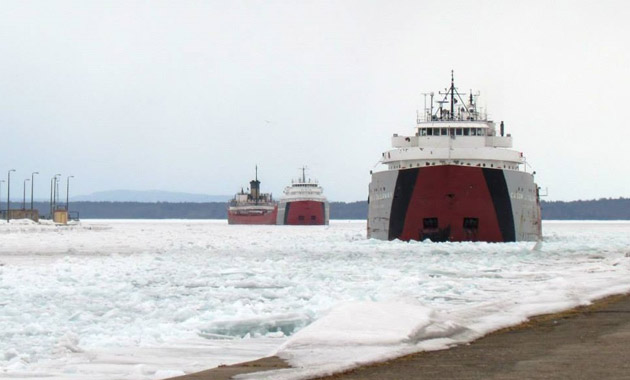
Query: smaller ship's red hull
point(268, 217)
point(305, 213)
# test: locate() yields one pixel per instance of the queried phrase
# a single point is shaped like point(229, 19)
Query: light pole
point(57, 189)
point(9, 193)
point(68, 191)
point(24, 194)
point(52, 194)
point(32, 183)
point(1, 188)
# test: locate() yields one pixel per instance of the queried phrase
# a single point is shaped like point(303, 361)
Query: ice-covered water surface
point(150, 299)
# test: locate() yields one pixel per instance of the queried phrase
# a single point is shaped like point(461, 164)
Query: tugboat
point(455, 179)
point(303, 203)
point(252, 207)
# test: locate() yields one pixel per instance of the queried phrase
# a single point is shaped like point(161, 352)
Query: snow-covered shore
point(141, 299)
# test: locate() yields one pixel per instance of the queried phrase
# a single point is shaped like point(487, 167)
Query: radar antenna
point(303, 168)
point(452, 94)
point(453, 97)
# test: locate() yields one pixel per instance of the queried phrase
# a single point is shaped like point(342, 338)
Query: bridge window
point(466, 131)
point(423, 131)
point(458, 131)
point(444, 132)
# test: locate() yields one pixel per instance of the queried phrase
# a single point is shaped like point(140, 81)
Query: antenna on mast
point(452, 94)
point(303, 174)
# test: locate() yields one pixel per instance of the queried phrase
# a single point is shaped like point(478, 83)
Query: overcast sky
point(190, 95)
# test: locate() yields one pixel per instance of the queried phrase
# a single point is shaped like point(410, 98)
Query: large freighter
point(455, 179)
point(303, 203)
point(252, 207)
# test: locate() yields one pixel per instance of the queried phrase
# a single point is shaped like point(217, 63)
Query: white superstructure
point(302, 189)
point(467, 139)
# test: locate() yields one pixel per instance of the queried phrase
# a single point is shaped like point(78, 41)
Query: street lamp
point(1, 180)
point(32, 183)
point(57, 188)
point(52, 193)
point(9, 193)
point(68, 191)
point(24, 194)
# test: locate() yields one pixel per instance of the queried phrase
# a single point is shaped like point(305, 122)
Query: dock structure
point(61, 215)
point(31, 214)
point(59, 212)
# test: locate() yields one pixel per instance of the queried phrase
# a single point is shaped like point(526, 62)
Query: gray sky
point(190, 95)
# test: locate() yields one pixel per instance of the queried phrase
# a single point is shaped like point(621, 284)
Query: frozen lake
point(150, 299)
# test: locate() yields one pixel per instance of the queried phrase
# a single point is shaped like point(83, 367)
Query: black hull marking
point(405, 184)
point(286, 213)
point(324, 212)
point(495, 180)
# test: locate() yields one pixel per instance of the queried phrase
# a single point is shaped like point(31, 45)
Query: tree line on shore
point(600, 209)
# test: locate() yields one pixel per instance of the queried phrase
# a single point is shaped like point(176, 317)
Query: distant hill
point(597, 209)
point(600, 209)
point(149, 196)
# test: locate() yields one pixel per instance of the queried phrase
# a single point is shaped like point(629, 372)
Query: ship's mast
point(254, 187)
point(303, 174)
point(452, 95)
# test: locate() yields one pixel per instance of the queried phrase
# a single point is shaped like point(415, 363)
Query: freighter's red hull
point(451, 194)
point(265, 217)
point(455, 203)
point(305, 213)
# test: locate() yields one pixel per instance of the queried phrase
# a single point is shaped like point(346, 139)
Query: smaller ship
point(252, 207)
point(303, 203)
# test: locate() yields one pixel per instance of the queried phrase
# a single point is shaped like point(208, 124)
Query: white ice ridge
point(150, 299)
point(362, 332)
